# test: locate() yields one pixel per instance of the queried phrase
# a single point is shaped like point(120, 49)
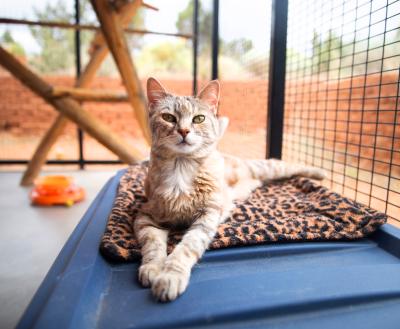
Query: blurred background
point(338, 72)
point(341, 95)
point(51, 52)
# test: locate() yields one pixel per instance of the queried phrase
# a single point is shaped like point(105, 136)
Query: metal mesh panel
point(25, 117)
point(342, 96)
point(243, 73)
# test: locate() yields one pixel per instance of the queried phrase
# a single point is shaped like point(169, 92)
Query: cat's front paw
point(169, 285)
point(148, 272)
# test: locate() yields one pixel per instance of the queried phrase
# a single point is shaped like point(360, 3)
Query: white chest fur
point(177, 177)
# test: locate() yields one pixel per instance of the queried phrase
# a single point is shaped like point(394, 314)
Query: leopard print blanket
point(290, 210)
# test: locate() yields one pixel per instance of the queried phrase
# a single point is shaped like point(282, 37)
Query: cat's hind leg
point(269, 169)
point(242, 189)
point(153, 242)
point(238, 170)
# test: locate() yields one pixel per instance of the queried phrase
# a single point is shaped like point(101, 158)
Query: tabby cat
point(191, 185)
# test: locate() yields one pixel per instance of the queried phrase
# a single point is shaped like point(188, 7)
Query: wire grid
point(243, 73)
point(342, 96)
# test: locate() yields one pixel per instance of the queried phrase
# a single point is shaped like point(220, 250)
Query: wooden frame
point(114, 36)
point(62, 98)
point(87, 27)
point(114, 18)
point(89, 95)
point(70, 108)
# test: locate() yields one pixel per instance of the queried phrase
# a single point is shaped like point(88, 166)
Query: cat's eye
point(199, 118)
point(168, 117)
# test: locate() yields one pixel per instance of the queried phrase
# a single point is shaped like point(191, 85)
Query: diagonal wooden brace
point(98, 54)
point(71, 109)
point(115, 38)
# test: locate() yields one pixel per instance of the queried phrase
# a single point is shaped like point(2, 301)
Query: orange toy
point(56, 190)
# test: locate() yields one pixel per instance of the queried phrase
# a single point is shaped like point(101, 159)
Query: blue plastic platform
point(293, 285)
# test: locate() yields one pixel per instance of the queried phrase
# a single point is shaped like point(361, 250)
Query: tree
point(325, 50)
point(184, 24)
point(57, 46)
point(236, 48)
point(11, 45)
point(167, 58)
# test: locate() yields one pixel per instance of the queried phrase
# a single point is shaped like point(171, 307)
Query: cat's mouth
point(184, 143)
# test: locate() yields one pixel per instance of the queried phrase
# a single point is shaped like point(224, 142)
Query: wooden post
point(70, 109)
point(99, 53)
point(125, 14)
point(113, 33)
point(89, 95)
point(39, 157)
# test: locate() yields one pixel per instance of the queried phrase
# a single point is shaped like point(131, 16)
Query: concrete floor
point(32, 237)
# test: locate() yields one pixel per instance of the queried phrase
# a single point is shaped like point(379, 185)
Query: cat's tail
point(237, 169)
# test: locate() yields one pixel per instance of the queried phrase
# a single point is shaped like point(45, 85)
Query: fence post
point(195, 41)
point(215, 40)
point(276, 85)
point(78, 74)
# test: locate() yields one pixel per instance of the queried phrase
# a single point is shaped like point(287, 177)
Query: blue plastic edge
point(387, 237)
point(48, 284)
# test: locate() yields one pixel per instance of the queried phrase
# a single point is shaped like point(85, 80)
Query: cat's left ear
point(155, 92)
point(210, 95)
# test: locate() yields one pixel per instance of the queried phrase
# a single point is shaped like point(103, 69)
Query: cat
point(191, 185)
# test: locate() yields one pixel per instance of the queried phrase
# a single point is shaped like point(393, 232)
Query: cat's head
point(184, 125)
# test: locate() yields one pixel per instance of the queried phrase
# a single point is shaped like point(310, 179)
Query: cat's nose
point(183, 132)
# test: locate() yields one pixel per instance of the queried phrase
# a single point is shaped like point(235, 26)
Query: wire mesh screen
point(342, 96)
point(25, 117)
point(243, 72)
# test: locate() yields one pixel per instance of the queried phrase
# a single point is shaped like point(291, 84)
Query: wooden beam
point(89, 95)
point(87, 27)
point(119, 3)
point(71, 109)
point(39, 157)
point(116, 42)
point(126, 11)
point(148, 6)
point(98, 54)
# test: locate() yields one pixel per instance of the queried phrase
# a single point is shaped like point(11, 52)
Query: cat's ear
point(155, 91)
point(210, 95)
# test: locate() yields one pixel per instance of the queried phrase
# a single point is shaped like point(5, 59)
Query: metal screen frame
point(342, 103)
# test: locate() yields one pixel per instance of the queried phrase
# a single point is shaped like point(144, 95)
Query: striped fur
point(191, 185)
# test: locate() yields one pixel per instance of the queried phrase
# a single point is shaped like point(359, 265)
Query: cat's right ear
point(210, 95)
point(155, 92)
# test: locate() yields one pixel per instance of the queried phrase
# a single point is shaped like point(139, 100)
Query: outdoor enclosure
point(342, 96)
point(333, 103)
